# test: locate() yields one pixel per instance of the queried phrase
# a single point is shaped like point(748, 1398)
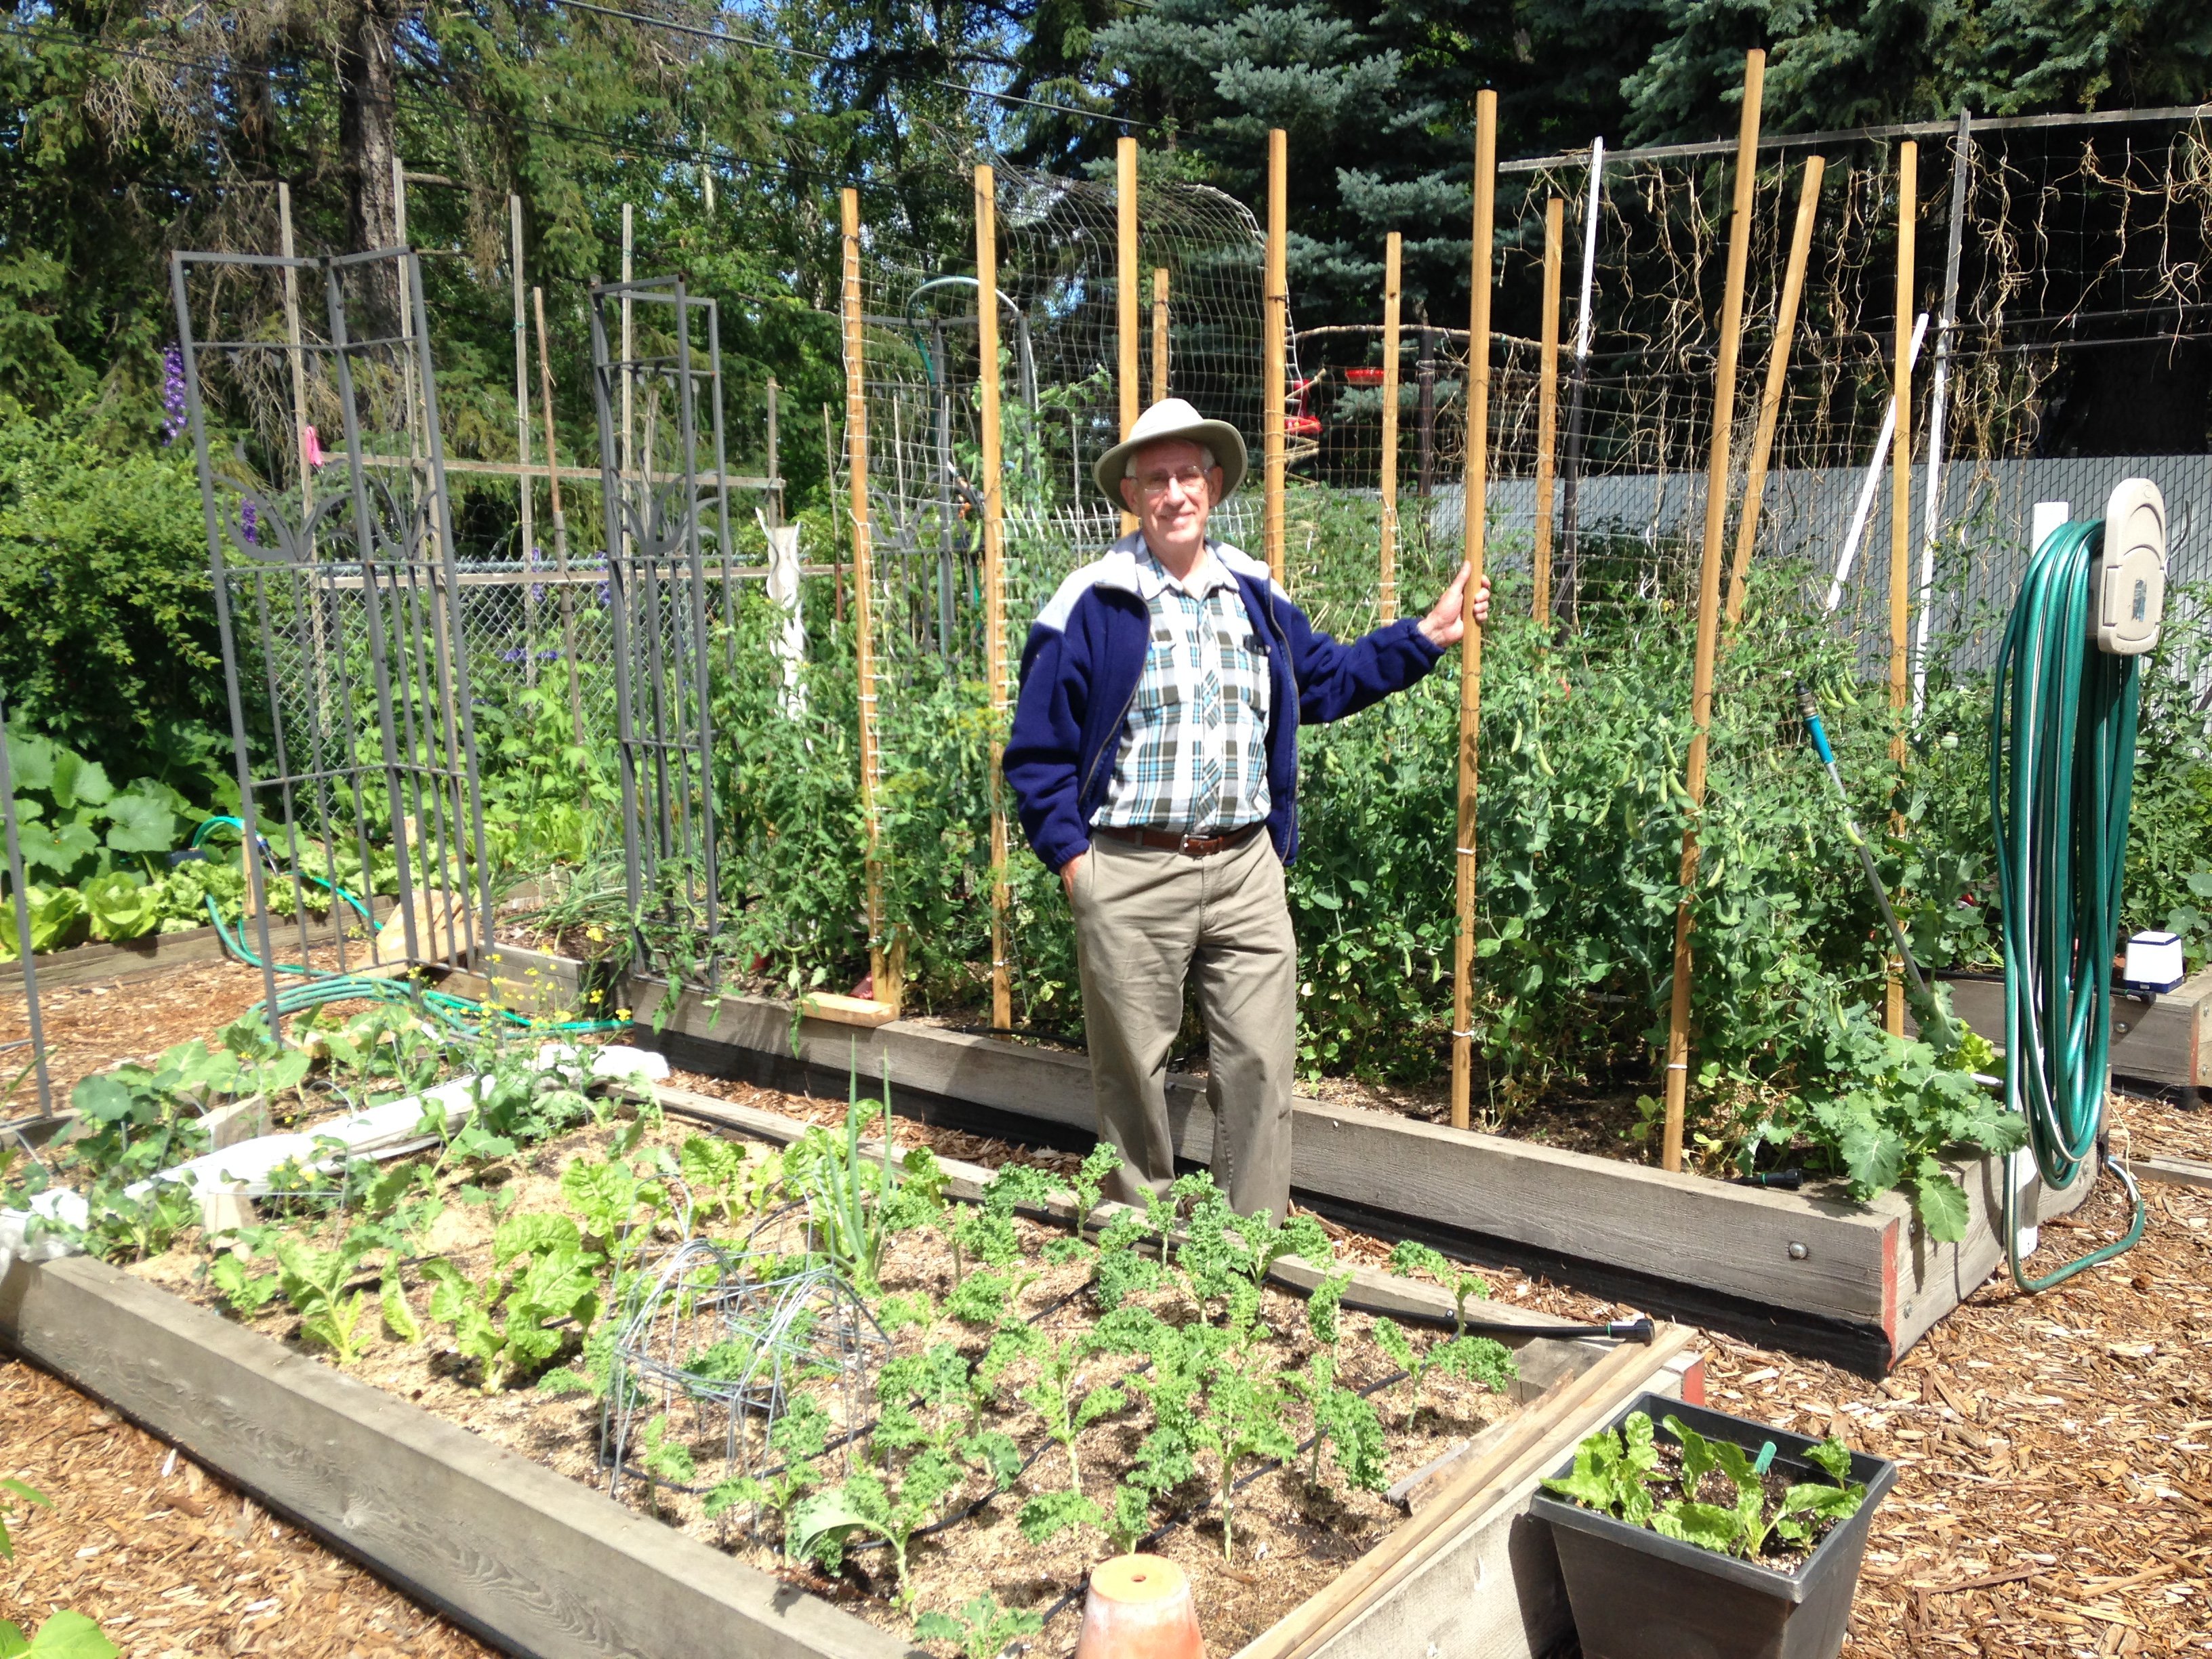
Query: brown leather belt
point(1195, 846)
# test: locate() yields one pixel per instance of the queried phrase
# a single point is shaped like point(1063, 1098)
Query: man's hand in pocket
point(1068, 872)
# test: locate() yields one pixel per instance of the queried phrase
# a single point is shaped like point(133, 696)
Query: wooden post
point(1900, 510)
point(1393, 289)
point(1124, 291)
point(882, 964)
point(995, 546)
point(568, 600)
point(1548, 404)
point(1159, 333)
point(1274, 328)
point(527, 527)
point(1480, 280)
point(1709, 597)
point(1778, 379)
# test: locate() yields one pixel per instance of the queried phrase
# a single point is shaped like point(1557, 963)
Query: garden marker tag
point(1765, 1460)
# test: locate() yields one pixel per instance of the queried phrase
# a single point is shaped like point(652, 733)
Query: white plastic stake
point(1864, 510)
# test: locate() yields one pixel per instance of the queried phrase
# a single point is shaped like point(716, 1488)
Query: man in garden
point(1154, 753)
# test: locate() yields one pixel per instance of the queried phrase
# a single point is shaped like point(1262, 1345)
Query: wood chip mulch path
point(170, 1561)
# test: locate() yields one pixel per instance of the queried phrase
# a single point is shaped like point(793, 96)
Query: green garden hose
point(463, 1015)
point(2062, 770)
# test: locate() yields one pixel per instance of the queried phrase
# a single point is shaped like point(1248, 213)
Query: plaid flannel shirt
point(1194, 754)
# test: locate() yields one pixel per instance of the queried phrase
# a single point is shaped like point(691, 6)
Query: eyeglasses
point(1153, 485)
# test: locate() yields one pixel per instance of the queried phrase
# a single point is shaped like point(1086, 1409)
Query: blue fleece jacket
point(1086, 652)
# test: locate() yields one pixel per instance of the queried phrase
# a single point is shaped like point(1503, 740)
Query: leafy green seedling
point(981, 1628)
point(510, 1322)
point(313, 1281)
point(1408, 1259)
point(1612, 1472)
point(244, 1292)
point(64, 1634)
point(1345, 1422)
point(1475, 1358)
point(1068, 1409)
point(22, 1493)
point(398, 1312)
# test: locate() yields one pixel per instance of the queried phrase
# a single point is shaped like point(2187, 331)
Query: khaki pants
point(1145, 919)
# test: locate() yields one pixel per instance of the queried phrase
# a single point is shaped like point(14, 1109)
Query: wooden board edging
point(528, 1560)
point(2164, 1040)
point(1856, 1284)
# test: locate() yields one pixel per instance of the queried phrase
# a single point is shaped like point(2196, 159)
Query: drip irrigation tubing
point(462, 1016)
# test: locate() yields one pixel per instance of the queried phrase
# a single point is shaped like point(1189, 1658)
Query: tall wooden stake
point(1709, 596)
point(1274, 329)
point(1125, 290)
point(528, 518)
point(1777, 381)
point(1481, 278)
point(1547, 403)
point(994, 608)
point(1900, 508)
point(560, 523)
point(883, 965)
point(1394, 248)
point(1159, 334)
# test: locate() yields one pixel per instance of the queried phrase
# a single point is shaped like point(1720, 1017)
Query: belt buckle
point(1194, 846)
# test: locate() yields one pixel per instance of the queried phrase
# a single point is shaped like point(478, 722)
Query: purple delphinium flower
point(172, 394)
point(535, 558)
point(252, 519)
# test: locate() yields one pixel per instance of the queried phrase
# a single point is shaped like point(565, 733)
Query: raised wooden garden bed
point(1855, 1284)
point(2164, 1041)
point(542, 1564)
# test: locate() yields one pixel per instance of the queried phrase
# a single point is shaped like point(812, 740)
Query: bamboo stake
point(1125, 289)
point(1274, 327)
point(994, 613)
point(1709, 596)
point(1548, 404)
point(1159, 334)
point(528, 520)
point(1480, 280)
point(1900, 513)
point(1778, 378)
point(560, 522)
point(1393, 292)
point(881, 964)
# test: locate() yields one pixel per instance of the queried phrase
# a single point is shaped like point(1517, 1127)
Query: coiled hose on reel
point(2061, 772)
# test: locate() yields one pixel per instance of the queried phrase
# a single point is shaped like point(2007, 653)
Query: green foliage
point(1615, 1472)
point(980, 1628)
point(64, 1634)
point(21, 1493)
point(112, 645)
point(513, 1322)
point(246, 1291)
point(314, 1282)
point(1408, 1259)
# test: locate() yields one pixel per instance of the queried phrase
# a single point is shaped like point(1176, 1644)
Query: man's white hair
point(1213, 461)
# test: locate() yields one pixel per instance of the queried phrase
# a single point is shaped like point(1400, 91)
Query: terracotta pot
point(1140, 1607)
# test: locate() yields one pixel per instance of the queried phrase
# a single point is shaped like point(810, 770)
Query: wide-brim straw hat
point(1171, 417)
